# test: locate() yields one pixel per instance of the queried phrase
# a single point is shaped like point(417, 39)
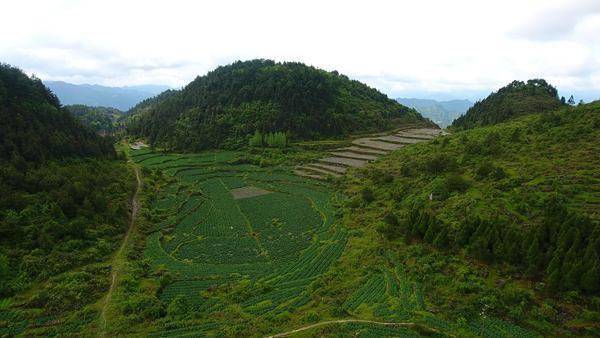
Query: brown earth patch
point(247, 192)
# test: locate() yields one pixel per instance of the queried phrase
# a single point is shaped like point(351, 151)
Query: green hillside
point(225, 107)
point(63, 207)
point(516, 99)
point(102, 120)
point(514, 207)
point(34, 127)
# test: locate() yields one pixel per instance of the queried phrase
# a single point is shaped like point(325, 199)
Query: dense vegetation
point(59, 216)
point(63, 206)
point(228, 105)
point(516, 99)
point(34, 127)
point(520, 196)
point(102, 120)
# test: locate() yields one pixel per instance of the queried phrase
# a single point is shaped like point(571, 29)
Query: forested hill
point(517, 98)
point(522, 193)
point(34, 127)
point(226, 106)
point(102, 120)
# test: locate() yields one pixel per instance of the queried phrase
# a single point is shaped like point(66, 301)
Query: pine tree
point(441, 240)
point(256, 140)
point(533, 258)
point(590, 281)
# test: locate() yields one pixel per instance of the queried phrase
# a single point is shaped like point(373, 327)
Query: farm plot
point(284, 236)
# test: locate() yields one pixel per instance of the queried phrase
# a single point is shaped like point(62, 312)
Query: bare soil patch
point(247, 192)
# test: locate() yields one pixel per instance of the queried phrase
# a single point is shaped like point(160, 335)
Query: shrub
point(440, 163)
point(179, 307)
point(484, 169)
point(367, 195)
point(256, 140)
point(492, 143)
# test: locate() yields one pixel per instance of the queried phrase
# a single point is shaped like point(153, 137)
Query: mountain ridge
point(122, 98)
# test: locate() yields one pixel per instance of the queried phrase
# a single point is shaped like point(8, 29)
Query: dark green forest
point(102, 120)
point(515, 99)
point(224, 108)
point(34, 126)
point(64, 200)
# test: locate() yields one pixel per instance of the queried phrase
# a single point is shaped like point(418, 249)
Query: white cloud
point(397, 46)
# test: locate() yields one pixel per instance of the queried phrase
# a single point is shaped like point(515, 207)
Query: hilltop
point(228, 105)
point(35, 127)
point(516, 99)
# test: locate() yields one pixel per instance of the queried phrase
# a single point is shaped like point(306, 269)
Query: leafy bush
point(439, 163)
point(456, 183)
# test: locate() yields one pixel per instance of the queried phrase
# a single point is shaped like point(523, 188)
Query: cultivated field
point(239, 223)
point(256, 242)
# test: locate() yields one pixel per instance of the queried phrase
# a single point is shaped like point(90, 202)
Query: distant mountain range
point(121, 98)
point(440, 112)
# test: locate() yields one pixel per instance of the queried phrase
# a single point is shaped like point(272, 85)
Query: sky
point(427, 49)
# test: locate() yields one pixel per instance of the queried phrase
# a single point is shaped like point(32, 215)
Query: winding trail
point(341, 321)
point(117, 261)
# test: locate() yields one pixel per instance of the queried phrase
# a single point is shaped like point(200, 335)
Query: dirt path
point(341, 321)
point(117, 263)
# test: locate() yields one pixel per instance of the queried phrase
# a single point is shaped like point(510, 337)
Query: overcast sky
point(440, 49)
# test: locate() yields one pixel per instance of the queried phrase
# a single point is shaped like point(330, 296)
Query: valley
point(244, 245)
point(237, 207)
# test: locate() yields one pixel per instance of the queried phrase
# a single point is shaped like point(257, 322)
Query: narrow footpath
point(341, 321)
point(117, 262)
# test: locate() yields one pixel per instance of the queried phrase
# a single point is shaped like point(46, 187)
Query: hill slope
point(521, 196)
point(517, 98)
point(440, 112)
point(122, 98)
point(102, 120)
point(63, 205)
point(226, 106)
point(35, 127)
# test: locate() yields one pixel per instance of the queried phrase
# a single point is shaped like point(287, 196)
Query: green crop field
point(253, 242)
point(274, 244)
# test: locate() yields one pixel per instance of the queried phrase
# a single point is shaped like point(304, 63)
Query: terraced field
point(238, 223)
point(364, 150)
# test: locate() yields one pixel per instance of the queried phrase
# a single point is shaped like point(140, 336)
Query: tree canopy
point(516, 99)
point(34, 127)
point(228, 105)
point(102, 120)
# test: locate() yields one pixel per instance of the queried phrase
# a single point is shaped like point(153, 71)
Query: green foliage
point(73, 290)
point(522, 199)
point(58, 216)
point(102, 120)
point(272, 140)
point(142, 307)
point(256, 140)
point(34, 127)
point(516, 99)
point(223, 108)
